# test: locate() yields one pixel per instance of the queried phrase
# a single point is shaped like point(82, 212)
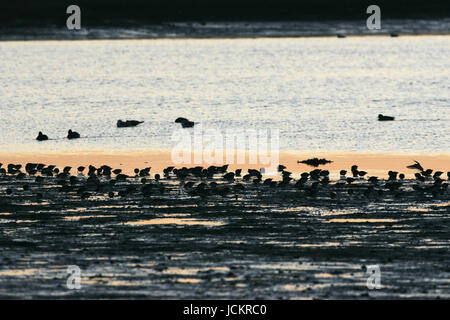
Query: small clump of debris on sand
point(315, 162)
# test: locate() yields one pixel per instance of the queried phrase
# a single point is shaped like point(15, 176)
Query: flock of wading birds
point(213, 181)
point(216, 181)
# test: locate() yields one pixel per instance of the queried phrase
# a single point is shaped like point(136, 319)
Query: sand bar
point(374, 163)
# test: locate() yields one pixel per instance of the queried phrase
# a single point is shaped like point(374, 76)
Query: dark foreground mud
point(261, 242)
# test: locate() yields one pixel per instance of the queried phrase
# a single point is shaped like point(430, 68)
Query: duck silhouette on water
point(185, 123)
point(385, 118)
point(72, 134)
point(41, 137)
point(128, 123)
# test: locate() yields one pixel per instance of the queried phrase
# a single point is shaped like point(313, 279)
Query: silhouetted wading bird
point(14, 168)
point(30, 168)
point(92, 170)
point(362, 173)
point(427, 172)
point(392, 175)
point(128, 123)
point(355, 171)
point(385, 118)
point(419, 177)
point(437, 175)
point(105, 170)
point(229, 176)
point(41, 137)
point(416, 166)
point(72, 134)
point(255, 173)
point(144, 172)
point(121, 177)
point(373, 180)
point(167, 171)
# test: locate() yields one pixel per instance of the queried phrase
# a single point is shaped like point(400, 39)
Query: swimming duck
point(185, 123)
point(128, 123)
point(181, 120)
point(73, 134)
point(385, 118)
point(41, 137)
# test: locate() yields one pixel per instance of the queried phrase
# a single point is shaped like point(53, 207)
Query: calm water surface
point(323, 94)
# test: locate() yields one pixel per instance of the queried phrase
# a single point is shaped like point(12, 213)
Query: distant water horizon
point(324, 94)
point(227, 29)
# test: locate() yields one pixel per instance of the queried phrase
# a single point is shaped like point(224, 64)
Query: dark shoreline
point(244, 29)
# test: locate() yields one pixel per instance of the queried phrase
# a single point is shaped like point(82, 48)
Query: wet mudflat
point(255, 242)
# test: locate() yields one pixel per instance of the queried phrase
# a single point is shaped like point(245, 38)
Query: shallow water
point(322, 93)
point(266, 243)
